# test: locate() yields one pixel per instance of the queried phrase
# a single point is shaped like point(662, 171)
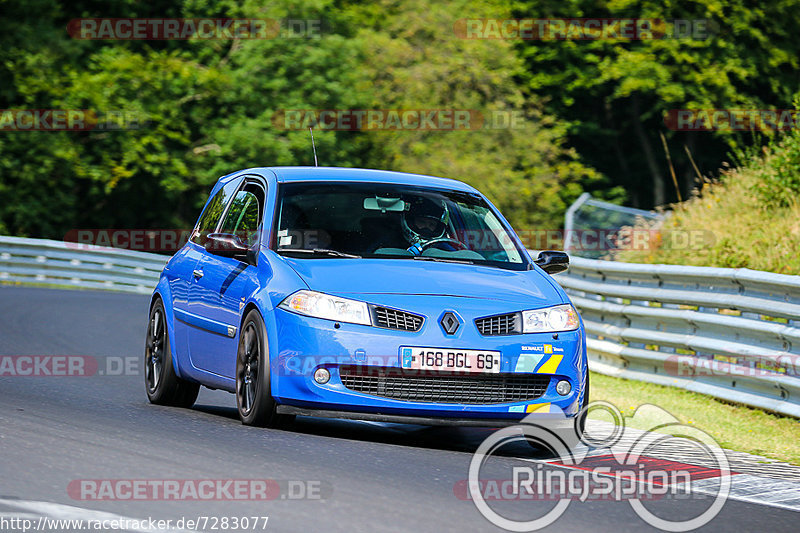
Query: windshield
point(369, 220)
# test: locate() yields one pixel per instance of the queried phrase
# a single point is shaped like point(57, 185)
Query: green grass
point(733, 426)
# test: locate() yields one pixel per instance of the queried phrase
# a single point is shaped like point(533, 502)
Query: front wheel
point(580, 427)
point(163, 386)
point(253, 390)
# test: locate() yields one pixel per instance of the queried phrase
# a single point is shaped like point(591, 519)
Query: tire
point(162, 385)
point(581, 422)
point(254, 399)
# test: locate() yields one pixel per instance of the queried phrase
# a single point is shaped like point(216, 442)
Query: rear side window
point(213, 211)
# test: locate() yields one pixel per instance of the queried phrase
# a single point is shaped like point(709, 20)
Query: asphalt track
point(370, 477)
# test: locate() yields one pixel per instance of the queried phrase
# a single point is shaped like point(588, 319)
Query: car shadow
point(449, 438)
point(217, 410)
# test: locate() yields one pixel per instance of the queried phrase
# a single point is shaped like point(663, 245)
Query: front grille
point(443, 387)
point(394, 319)
point(500, 324)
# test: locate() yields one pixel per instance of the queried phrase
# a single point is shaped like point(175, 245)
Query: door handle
point(197, 273)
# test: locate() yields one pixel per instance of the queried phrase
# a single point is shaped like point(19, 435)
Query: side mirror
point(230, 245)
point(552, 261)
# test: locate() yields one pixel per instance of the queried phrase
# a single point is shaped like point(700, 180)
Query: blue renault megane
point(363, 294)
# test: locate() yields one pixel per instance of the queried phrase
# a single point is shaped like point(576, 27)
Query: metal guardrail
point(728, 333)
point(60, 264)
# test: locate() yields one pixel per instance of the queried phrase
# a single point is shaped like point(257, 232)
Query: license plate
point(479, 361)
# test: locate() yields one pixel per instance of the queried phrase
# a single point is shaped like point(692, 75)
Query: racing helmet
point(425, 219)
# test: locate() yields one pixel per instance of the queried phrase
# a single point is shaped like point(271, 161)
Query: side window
point(213, 211)
point(243, 217)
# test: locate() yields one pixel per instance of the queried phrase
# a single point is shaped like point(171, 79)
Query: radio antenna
point(313, 146)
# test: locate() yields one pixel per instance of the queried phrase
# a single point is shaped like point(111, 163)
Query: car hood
point(398, 276)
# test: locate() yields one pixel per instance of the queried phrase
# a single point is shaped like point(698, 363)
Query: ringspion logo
point(627, 470)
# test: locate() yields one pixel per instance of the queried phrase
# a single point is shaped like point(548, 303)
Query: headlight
point(558, 318)
point(321, 305)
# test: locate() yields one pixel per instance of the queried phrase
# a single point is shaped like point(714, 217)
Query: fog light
point(563, 387)
point(322, 376)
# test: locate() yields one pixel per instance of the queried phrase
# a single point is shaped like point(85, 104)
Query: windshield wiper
point(443, 259)
point(319, 251)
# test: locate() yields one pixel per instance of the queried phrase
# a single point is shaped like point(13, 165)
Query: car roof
point(334, 174)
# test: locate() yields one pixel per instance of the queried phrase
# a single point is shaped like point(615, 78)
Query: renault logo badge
point(450, 323)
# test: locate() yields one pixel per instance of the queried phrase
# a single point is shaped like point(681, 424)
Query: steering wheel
point(458, 245)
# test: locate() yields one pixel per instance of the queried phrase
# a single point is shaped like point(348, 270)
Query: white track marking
point(4, 514)
point(761, 491)
point(60, 511)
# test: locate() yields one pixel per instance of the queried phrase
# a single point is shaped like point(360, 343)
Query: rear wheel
point(253, 390)
point(163, 386)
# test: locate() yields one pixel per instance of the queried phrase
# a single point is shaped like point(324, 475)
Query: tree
point(615, 93)
point(415, 61)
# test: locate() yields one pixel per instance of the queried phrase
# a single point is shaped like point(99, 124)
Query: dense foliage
point(615, 94)
point(591, 110)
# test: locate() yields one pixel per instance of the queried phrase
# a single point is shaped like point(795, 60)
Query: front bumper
point(555, 423)
point(302, 344)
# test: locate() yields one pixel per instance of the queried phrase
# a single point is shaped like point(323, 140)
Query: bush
point(739, 228)
point(780, 183)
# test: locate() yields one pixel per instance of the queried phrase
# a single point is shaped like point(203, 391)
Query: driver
point(424, 220)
